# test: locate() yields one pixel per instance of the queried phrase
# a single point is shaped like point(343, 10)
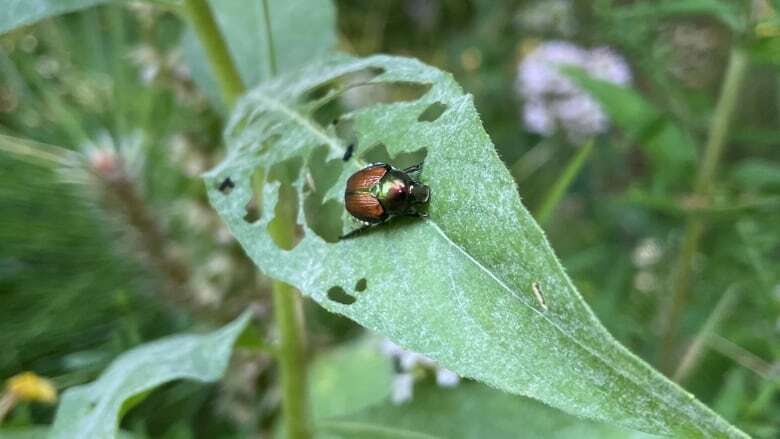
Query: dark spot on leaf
point(226, 186)
point(361, 285)
point(337, 294)
point(433, 112)
point(253, 211)
point(348, 152)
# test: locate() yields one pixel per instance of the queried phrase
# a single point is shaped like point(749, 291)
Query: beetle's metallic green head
point(420, 193)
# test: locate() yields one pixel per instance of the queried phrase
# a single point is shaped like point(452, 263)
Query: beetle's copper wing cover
point(364, 206)
point(366, 178)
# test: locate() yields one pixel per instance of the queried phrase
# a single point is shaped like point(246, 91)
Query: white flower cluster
point(552, 100)
point(403, 383)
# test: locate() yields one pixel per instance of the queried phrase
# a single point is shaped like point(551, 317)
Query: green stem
point(716, 142)
point(561, 185)
point(288, 310)
point(269, 39)
point(7, 402)
point(694, 352)
point(721, 121)
point(217, 52)
point(292, 360)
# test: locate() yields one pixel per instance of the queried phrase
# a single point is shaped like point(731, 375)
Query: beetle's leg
point(414, 213)
point(416, 169)
point(355, 232)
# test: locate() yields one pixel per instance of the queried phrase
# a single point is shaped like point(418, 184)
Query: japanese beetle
point(379, 192)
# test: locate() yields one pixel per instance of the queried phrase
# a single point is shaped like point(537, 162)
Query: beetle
point(380, 191)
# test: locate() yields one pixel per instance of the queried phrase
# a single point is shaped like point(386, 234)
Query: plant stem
point(217, 52)
point(269, 39)
point(288, 310)
point(292, 360)
point(694, 352)
point(556, 193)
point(7, 402)
point(290, 328)
point(716, 141)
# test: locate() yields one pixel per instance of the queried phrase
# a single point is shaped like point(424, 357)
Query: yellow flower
point(27, 386)
point(767, 29)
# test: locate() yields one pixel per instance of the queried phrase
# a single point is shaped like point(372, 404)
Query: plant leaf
point(93, 410)
point(30, 432)
point(17, 13)
point(458, 286)
point(42, 432)
point(350, 389)
point(664, 142)
point(470, 410)
point(302, 30)
point(729, 13)
point(349, 378)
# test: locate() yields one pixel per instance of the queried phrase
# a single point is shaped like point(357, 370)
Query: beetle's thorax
point(393, 192)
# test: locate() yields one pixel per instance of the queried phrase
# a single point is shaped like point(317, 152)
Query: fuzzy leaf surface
point(457, 286)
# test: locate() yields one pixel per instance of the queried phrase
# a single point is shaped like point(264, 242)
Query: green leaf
point(664, 142)
point(349, 378)
point(33, 432)
point(727, 12)
point(470, 410)
point(302, 30)
point(42, 432)
point(757, 174)
point(17, 13)
point(457, 286)
point(350, 388)
point(93, 410)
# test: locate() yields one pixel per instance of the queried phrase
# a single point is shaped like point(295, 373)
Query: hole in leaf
point(361, 96)
point(284, 228)
point(326, 112)
point(433, 112)
point(325, 219)
point(361, 285)
point(253, 211)
point(226, 186)
point(378, 153)
point(345, 131)
point(337, 294)
point(342, 82)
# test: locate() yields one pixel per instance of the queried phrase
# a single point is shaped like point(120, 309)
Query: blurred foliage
point(77, 287)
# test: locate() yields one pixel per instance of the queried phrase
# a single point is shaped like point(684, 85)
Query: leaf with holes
point(464, 286)
point(94, 410)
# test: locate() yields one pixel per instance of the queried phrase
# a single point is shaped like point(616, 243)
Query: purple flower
point(552, 101)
